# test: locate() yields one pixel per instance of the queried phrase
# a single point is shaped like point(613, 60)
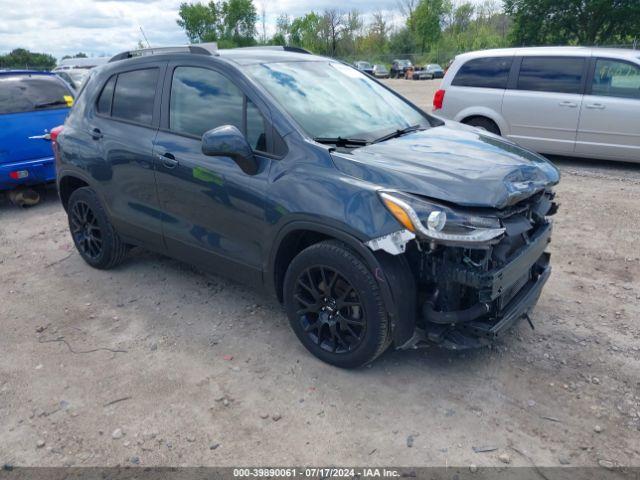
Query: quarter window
point(134, 95)
point(613, 78)
point(202, 99)
point(104, 101)
point(551, 74)
point(491, 72)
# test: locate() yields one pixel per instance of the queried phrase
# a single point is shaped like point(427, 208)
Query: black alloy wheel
point(85, 230)
point(330, 311)
point(335, 305)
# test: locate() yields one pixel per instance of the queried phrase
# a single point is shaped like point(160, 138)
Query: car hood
point(453, 163)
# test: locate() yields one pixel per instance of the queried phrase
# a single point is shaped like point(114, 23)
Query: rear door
point(122, 131)
point(542, 106)
point(610, 118)
point(30, 106)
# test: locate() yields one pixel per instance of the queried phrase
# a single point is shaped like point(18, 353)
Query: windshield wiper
point(50, 104)
point(342, 142)
point(399, 133)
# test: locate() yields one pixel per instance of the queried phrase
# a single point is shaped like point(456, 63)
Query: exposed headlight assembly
point(442, 224)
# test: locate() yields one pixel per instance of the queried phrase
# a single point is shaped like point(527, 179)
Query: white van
point(574, 101)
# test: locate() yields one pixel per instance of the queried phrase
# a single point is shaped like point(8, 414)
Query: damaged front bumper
point(503, 296)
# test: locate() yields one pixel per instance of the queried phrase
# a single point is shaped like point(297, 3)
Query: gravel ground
point(155, 363)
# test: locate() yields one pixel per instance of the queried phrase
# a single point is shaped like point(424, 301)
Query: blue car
point(31, 104)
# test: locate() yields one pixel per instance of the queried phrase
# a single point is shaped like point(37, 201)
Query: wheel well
point(68, 185)
point(471, 117)
point(289, 248)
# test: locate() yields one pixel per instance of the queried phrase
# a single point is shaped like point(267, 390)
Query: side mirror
point(228, 141)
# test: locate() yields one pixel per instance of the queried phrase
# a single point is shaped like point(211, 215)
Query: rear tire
point(484, 123)
point(335, 306)
point(93, 234)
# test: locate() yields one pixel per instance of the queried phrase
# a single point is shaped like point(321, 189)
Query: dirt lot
point(155, 363)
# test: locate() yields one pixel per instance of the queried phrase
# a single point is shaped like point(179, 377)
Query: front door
point(610, 118)
point(213, 212)
point(543, 108)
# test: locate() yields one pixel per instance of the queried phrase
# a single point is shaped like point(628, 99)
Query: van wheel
point(335, 306)
point(93, 235)
point(484, 123)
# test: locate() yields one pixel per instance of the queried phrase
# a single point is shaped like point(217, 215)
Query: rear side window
point(551, 74)
point(490, 72)
point(616, 78)
point(134, 95)
point(106, 96)
point(28, 93)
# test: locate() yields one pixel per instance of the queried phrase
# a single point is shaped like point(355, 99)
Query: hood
point(453, 163)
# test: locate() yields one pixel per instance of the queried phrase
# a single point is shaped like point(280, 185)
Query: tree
point(331, 29)
point(424, 23)
point(239, 19)
point(582, 22)
point(77, 55)
point(200, 22)
point(306, 32)
point(23, 58)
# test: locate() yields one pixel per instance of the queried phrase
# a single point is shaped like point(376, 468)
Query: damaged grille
point(459, 278)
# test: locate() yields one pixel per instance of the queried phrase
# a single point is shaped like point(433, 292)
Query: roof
point(24, 72)
point(563, 51)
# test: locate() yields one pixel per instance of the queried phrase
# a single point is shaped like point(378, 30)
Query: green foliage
point(424, 22)
point(578, 22)
point(22, 58)
point(231, 23)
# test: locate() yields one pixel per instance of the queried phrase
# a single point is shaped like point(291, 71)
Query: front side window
point(29, 93)
point(202, 99)
point(134, 96)
point(491, 72)
point(329, 100)
point(551, 74)
point(615, 78)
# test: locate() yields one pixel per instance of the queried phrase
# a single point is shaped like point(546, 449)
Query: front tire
point(335, 306)
point(93, 234)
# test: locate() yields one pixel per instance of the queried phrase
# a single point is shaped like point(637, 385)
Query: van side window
point(551, 74)
point(103, 106)
point(614, 78)
point(490, 72)
point(202, 99)
point(134, 95)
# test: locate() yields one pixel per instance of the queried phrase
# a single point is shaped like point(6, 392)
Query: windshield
point(364, 65)
point(329, 99)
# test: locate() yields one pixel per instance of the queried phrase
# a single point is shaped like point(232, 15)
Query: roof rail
point(284, 48)
point(210, 48)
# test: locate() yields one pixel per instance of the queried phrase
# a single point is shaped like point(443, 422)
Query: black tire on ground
point(484, 123)
point(93, 234)
point(335, 306)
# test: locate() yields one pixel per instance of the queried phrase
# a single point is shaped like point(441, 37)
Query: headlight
point(440, 223)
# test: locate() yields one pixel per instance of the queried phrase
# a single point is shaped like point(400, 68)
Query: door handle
point(168, 160)
point(595, 106)
point(96, 134)
point(568, 104)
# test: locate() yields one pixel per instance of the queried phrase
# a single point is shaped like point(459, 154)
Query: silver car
point(574, 101)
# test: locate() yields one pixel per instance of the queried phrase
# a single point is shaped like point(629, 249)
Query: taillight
point(55, 131)
point(438, 99)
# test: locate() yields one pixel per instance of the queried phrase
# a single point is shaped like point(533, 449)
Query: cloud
point(106, 27)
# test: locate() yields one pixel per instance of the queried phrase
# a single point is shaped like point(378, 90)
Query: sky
point(107, 27)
